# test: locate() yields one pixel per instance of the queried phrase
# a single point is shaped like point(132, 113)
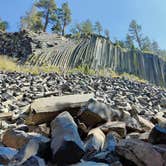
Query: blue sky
point(113, 14)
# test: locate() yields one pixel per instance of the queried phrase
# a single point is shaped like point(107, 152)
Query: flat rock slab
point(6, 115)
point(46, 109)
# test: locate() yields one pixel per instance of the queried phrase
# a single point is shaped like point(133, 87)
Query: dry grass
point(7, 64)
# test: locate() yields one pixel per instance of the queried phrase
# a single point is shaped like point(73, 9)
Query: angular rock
point(34, 161)
point(163, 102)
point(138, 153)
point(141, 136)
point(99, 108)
point(146, 125)
point(6, 116)
point(106, 157)
point(95, 141)
point(17, 138)
point(162, 150)
point(89, 163)
point(110, 142)
point(46, 109)
point(132, 125)
point(158, 135)
point(119, 127)
point(66, 144)
point(26, 152)
point(6, 154)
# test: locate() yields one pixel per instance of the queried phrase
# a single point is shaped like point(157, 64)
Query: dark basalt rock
point(158, 135)
point(66, 144)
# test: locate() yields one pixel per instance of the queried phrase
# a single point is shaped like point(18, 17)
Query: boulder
point(146, 125)
point(106, 157)
point(132, 125)
point(66, 143)
point(89, 163)
point(158, 135)
point(163, 102)
point(46, 109)
point(99, 108)
point(6, 115)
point(119, 127)
point(95, 141)
point(110, 142)
point(27, 151)
point(94, 114)
point(160, 119)
point(34, 161)
point(135, 135)
point(138, 153)
point(17, 138)
point(6, 154)
point(162, 150)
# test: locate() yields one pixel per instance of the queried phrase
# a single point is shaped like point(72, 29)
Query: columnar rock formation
point(94, 51)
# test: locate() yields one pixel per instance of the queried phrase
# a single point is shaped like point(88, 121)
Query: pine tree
point(129, 42)
point(135, 32)
point(3, 25)
point(47, 11)
point(32, 20)
point(98, 28)
point(66, 17)
point(87, 27)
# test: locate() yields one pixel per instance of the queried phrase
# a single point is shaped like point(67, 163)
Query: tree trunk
point(63, 29)
point(46, 21)
point(138, 40)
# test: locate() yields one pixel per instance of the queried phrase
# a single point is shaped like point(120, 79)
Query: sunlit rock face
point(94, 51)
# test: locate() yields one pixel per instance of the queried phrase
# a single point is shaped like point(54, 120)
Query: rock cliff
point(94, 51)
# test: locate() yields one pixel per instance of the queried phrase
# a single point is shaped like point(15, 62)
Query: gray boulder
point(66, 143)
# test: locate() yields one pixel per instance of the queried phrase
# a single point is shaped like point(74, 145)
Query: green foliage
point(66, 17)
point(132, 77)
point(146, 44)
point(135, 32)
point(57, 28)
point(129, 42)
point(82, 69)
point(63, 19)
point(3, 25)
point(47, 11)
point(98, 28)
point(32, 20)
point(87, 27)
point(120, 43)
point(76, 29)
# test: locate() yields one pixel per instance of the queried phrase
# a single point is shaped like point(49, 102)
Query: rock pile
point(80, 120)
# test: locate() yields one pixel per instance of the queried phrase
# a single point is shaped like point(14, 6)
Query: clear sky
point(113, 14)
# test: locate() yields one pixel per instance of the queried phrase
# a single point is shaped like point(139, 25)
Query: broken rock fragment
point(66, 143)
